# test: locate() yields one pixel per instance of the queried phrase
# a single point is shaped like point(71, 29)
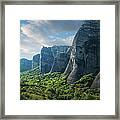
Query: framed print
point(60, 60)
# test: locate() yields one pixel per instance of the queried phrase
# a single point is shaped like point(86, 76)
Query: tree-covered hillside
point(54, 86)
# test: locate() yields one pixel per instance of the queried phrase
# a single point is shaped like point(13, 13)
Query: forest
point(54, 86)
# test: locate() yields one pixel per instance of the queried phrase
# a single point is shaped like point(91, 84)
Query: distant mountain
point(25, 65)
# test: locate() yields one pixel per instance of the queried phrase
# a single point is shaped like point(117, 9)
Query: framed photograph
point(60, 59)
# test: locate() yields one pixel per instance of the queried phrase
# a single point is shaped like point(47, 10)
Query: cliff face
point(85, 54)
point(36, 61)
point(60, 62)
point(59, 49)
point(96, 82)
point(47, 59)
point(25, 65)
point(54, 59)
point(61, 58)
point(51, 59)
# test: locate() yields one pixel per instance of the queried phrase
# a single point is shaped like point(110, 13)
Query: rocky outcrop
point(25, 65)
point(51, 59)
point(61, 58)
point(36, 61)
point(54, 59)
point(96, 82)
point(59, 49)
point(60, 62)
point(47, 59)
point(85, 53)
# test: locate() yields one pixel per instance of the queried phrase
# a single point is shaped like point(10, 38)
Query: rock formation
point(51, 59)
point(59, 49)
point(25, 65)
point(47, 59)
point(61, 58)
point(60, 62)
point(36, 61)
point(54, 59)
point(85, 53)
point(96, 82)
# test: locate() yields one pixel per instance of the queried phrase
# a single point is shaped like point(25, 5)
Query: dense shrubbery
point(54, 86)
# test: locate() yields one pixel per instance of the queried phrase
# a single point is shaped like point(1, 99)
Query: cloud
point(27, 51)
point(35, 34)
point(65, 41)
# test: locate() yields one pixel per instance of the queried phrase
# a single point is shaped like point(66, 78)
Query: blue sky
point(34, 34)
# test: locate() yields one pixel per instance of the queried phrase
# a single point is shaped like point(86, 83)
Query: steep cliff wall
point(36, 61)
point(47, 59)
point(54, 59)
point(85, 54)
point(60, 59)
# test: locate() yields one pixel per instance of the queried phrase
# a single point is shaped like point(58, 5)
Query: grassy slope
point(34, 86)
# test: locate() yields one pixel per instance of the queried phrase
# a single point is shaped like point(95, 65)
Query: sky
point(34, 34)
